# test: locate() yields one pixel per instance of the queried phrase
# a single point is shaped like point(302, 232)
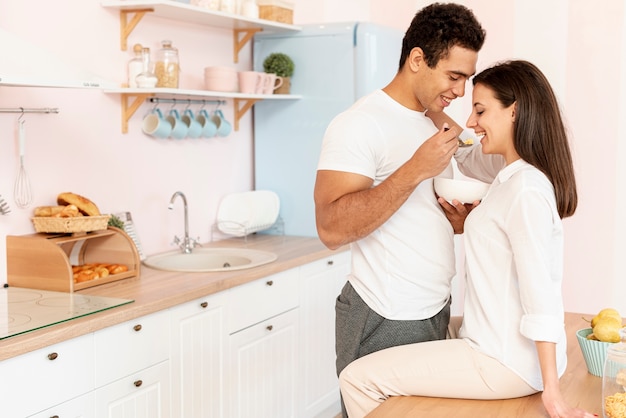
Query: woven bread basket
point(67, 225)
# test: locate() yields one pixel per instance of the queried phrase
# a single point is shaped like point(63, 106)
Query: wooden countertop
point(156, 290)
point(579, 387)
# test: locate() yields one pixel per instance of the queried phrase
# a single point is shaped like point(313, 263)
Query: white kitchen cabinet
point(49, 376)
point(132, 368)
point(261, 349)
point(125, 348)
point(81, 407)
point(256, 301)
point(198, 358)
point(263, 368)
point(320, 283)
point(144, 394)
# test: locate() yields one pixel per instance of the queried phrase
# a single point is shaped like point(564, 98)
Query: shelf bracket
point(240, 43)
point(127, 27)
point(241, 110)
point(128, 110)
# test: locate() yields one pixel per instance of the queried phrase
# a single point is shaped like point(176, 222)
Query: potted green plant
point(282, 65)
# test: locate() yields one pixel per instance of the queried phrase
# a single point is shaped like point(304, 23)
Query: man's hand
point(456, 212)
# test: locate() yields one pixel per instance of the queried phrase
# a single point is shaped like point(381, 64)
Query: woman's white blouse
point(514, 263)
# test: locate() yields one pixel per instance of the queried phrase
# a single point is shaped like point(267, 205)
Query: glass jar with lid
point(614, 379)
point(135, 66)
point(166, 67)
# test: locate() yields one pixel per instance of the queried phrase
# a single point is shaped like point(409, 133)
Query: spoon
point(463, 144)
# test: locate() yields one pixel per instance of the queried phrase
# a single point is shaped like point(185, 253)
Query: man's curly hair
point(440, 26)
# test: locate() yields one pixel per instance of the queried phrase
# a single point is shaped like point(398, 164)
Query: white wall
point(580, 45)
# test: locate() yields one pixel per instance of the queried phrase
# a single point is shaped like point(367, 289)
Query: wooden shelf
point(135, 10)
point(132, 99)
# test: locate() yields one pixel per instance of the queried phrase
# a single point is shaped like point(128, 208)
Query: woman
point(512, 340)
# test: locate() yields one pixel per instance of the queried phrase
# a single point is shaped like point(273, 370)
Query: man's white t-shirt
point(402, 270)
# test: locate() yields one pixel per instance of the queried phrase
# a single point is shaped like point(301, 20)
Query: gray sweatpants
point(360, 331)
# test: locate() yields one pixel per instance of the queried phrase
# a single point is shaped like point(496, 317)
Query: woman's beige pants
point(446, 369)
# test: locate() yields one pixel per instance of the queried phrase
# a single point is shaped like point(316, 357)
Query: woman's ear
point(513, 111)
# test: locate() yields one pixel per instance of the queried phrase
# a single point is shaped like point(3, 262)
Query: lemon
point(607, 312)
point(607, 329)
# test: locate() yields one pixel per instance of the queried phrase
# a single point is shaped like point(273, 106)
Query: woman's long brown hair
point(539, 134)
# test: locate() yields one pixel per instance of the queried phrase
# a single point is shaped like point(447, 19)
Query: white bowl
point(465, 191)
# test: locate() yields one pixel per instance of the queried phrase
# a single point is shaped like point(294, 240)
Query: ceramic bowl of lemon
point(594, 351)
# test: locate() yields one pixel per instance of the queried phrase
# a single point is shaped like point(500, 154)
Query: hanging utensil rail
point(186, 101)
point(29, 110)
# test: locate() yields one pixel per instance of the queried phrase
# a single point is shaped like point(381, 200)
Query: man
point(374, 190)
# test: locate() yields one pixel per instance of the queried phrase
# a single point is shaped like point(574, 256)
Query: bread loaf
point(84, 205)
point(67, 211)
point(45, 211)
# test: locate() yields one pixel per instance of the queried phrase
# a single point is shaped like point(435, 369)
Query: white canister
point(227, 6)
point(250, 9)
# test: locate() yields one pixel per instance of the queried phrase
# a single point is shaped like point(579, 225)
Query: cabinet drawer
point(37, 380)
point(253, 302)
point(145, 393)
point(134, 345)
point(81, 407)
point(340, 262)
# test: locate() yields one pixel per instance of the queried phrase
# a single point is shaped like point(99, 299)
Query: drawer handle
point(54, 416)
point(269, 282)
point(53, 356)
point(204, 304)
point(330, 262)
point(137, 327)
point(137, 383)
point(269, 327)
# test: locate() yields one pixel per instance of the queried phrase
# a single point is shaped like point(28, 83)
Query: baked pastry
point(92, 271)
point(45, 211)
point(84, 205)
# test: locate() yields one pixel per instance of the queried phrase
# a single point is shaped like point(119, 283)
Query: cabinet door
point(49, 376)
point(141, 395)
point(198, 341)
point(321, 283)
point(81, 407)
point(263, 368)
point(131, 346)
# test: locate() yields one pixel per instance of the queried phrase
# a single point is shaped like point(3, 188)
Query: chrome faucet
point(187, 244)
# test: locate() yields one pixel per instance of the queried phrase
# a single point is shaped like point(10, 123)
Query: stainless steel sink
point(210, 259)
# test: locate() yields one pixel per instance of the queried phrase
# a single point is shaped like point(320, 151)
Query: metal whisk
point(22, 192)
point(4, 207)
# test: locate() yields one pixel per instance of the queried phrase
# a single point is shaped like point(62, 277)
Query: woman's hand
point(456, 212)
point(558, 408)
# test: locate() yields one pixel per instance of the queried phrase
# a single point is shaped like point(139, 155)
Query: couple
point(374, 191)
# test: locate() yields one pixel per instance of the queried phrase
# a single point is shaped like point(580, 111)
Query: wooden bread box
point(44, 261)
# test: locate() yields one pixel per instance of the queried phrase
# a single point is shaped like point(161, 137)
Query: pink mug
point(272, 82)
point(250, 81)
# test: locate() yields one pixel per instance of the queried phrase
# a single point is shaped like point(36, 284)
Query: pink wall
point(580, 46)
